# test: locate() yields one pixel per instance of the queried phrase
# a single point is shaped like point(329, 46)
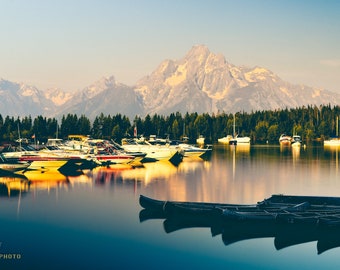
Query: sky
point(70, 44)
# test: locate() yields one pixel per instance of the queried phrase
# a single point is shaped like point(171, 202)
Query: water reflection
point(105, 203)
point(333, 152)
point(238, 174)
point(13, 186)
point(284, 235)
point(233, 231)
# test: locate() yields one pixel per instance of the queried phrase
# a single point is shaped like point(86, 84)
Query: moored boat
point(308, 210)
point(336, 140)
point(11, 166)
point(153, 152)
point(236, 139)
point(189, 150)
point(200, 140)
point(332, 142)
point(225, 140)
point(239, 140)
point(296, 141)
point(285, 140)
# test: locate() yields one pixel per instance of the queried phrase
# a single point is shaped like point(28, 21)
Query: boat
point(285, 140)
point(296, 141)
point(236, 139)
point(13, 153)
point(239, 140)
point(336, 140)
point(287, 209)
point(332, 142)
point(289, 219)
point(192, 151)
point(7, 166)
point(225, 139)
point(153, 152)
point(105, 153)
point(200, 140)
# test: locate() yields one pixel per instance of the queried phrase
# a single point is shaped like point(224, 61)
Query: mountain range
point(201, 82)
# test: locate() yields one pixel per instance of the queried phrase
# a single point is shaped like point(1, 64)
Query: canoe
point(290, 220)
point(149, 203)
point(320, 211)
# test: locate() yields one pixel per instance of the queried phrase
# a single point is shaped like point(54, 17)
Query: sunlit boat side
point(153, 152)
point(296, 141)
point(285, 140)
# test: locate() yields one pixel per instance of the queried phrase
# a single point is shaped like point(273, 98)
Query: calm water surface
point(92, 221)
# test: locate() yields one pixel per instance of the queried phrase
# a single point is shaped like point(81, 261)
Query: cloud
point(330, 63)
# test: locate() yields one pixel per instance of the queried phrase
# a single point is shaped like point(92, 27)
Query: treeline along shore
point(310, 122)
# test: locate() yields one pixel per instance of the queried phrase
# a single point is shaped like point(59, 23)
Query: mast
point(19, 137)
point(234, 127)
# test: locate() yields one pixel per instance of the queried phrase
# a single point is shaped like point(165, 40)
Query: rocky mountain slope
point(201, 82)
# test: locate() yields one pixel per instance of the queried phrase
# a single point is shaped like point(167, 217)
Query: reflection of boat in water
point(45, 176)
point(242, 148)
point(13, 186)
point(233, 228)
point(149, 172)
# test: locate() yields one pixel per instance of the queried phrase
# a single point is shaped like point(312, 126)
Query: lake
point(92, 221)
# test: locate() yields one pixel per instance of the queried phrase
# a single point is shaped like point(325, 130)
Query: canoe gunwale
point(323, 211)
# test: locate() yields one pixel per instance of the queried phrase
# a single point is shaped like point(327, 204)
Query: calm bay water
point(92, 221)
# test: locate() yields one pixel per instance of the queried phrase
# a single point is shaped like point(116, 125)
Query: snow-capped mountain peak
point(201, 82)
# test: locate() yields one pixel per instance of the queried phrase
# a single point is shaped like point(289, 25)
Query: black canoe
point(275, 201)
point(290, 220)
point(149, 203)
point(283, 208)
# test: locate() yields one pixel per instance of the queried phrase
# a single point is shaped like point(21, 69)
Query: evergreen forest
point(310, 122)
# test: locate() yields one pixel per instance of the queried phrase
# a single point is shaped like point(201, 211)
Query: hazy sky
point(70, 44)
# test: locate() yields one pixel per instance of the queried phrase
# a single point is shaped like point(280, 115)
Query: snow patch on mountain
point(201, 82)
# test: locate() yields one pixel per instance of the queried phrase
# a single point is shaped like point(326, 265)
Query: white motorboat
point(296, 141)
point(332, 142)
point(153, 152)
point(285, 140)
point(225, 139)
point(194, 151)
point(239, 140)
point(200, 140)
